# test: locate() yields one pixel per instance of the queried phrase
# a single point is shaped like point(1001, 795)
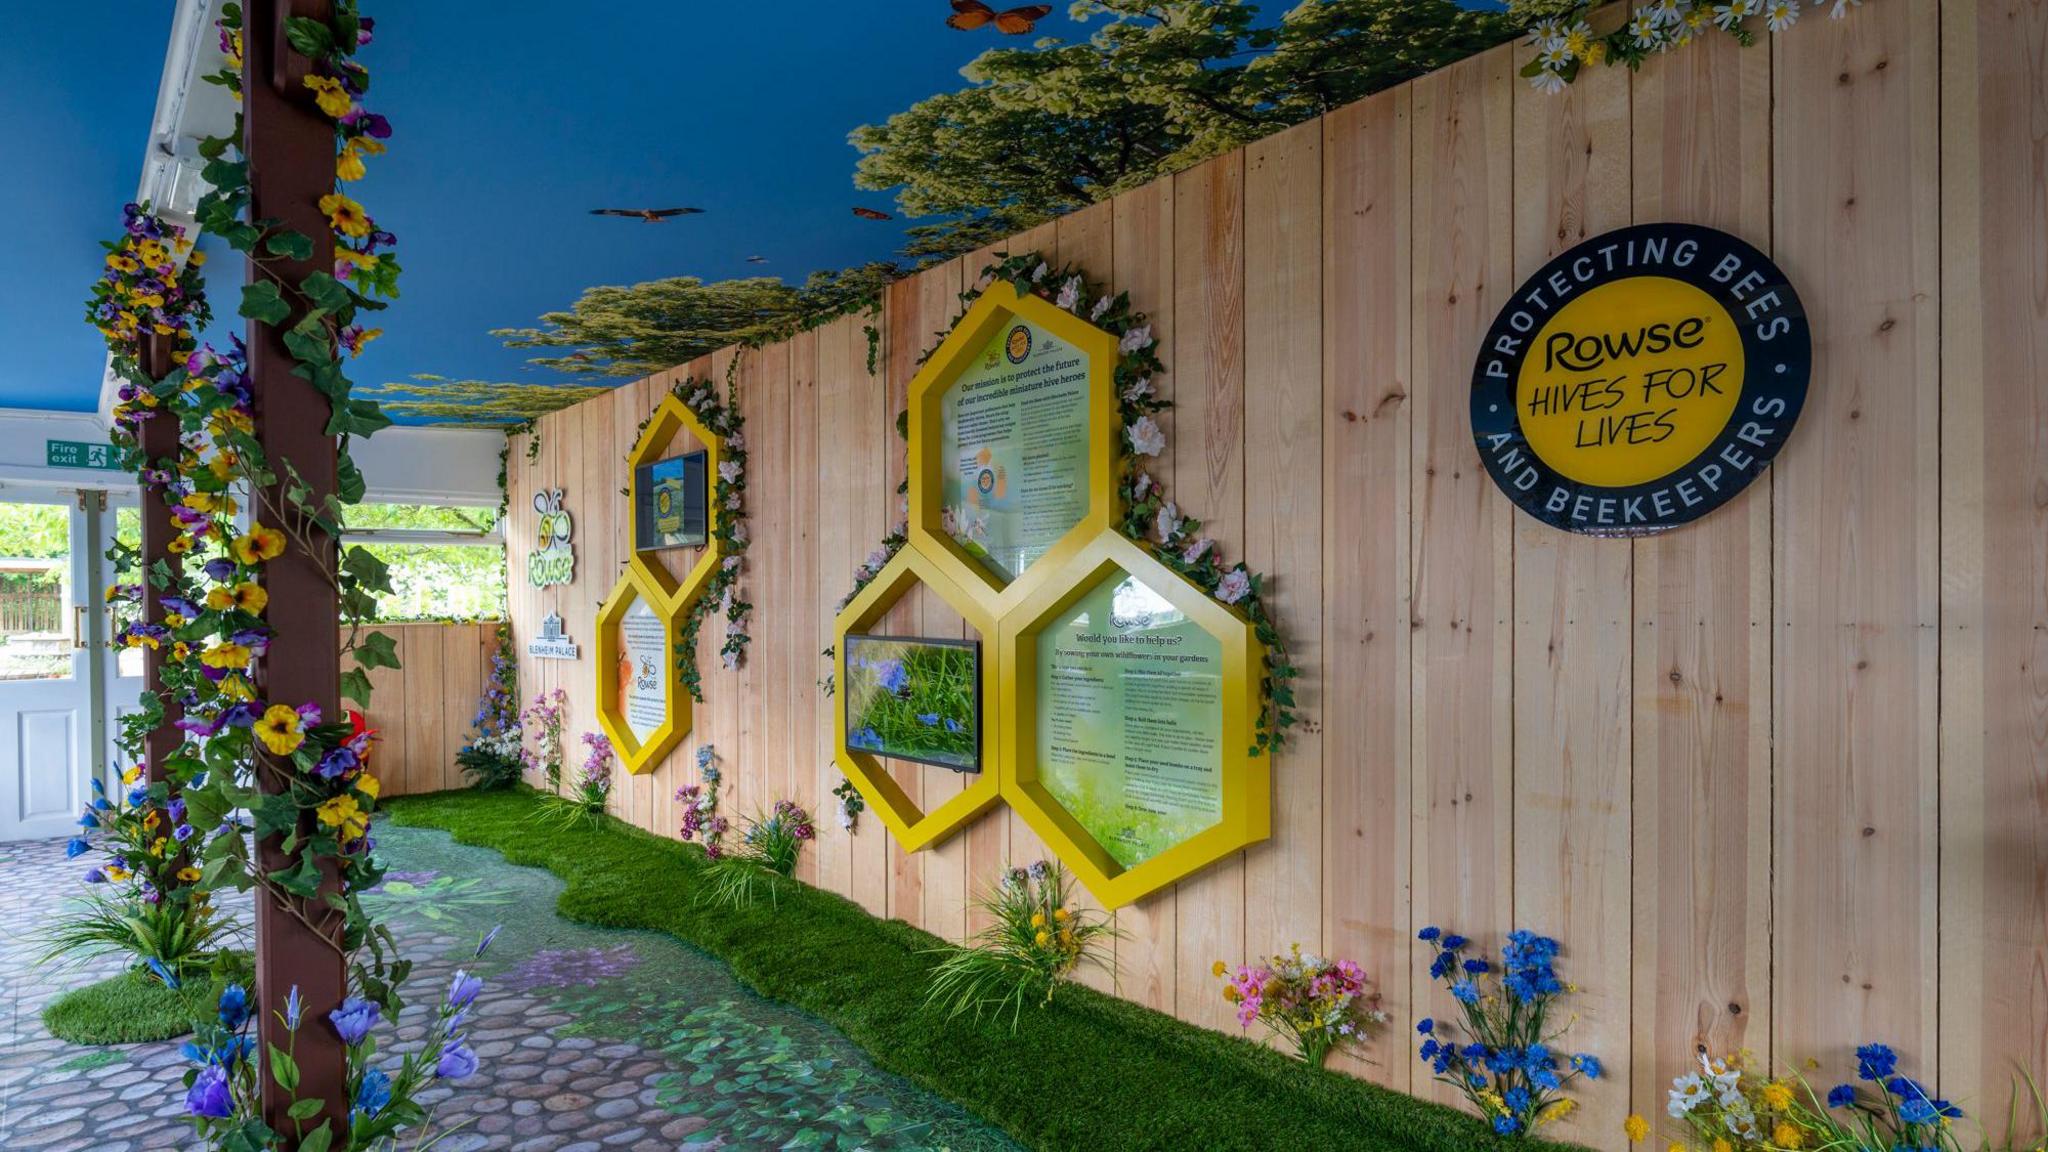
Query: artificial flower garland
point(1149, 518)
point(721, 417)
point(1565, 43)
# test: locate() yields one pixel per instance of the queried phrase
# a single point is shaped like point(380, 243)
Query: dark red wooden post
point(158, 439)
point(289, 146)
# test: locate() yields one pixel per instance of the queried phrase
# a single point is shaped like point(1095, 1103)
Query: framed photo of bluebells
point(914, 698)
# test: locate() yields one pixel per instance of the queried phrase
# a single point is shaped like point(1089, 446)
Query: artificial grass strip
point(1089, 1072)
point(131, 1008)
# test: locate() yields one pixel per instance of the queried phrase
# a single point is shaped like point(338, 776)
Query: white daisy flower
point(1781, 14)
point(1548, 82)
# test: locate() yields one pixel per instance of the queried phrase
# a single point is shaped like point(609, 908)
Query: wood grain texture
point(1994, 547)
point(1856, 539)
point(1365, 417)
point(1702, 660)
point(1461, 529)
point(1572, 643)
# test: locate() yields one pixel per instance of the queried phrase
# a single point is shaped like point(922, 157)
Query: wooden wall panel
point(1743, 770)
point(1572, 642)
point(1994, 548)
point(1365, 419)
point(423, 708)
point(1856, 539)
point(1702, 660)
point(1209, 481)
point(1283, 293)
point(1461, 529)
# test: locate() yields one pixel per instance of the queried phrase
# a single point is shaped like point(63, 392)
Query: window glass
point(35, 565)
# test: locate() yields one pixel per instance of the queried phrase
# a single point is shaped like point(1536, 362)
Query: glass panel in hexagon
point(1130, 719)
point(915, 698)
point(1014, 431)
point(643, 669)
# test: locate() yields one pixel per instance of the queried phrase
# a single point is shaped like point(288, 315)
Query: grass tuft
point(1088, 1071)
point(135, 1007)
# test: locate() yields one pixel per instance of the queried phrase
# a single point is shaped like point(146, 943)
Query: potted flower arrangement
point(1507, 1065)
point(765, 858)
point(1033, 942)
point(1317, 1003)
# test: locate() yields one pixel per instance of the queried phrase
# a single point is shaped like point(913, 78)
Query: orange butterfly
point(971, 14)
point(871, 214)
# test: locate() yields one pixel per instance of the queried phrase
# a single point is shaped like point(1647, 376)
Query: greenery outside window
point(447, 562)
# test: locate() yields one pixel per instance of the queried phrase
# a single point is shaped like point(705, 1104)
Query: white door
point(47, 685)
point(120, 668)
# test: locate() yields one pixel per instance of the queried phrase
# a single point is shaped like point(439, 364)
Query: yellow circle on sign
point(1630, 381)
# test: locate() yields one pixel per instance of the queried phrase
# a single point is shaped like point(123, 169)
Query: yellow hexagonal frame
point(1246, 800)
point(672, 417)
point(998, 306)
point(648, 579)
point(913, 827)
point(635, 756)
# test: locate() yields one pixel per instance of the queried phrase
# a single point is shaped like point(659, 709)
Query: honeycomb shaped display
point(1128, 703)
point(1013, 441)
point(913, 827)
point(646, 597)
point(1131, 759)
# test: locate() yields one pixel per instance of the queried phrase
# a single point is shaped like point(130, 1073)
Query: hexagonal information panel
point(1125, 716)
point(1120, 700)
point(641, 705)
point(1013, 429)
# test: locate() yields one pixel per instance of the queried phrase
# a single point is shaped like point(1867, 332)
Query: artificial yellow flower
point(1042, 938)
point(173, 621)
point(222, 465)
point(158, 846)
point(1230, 993)
point(229, 655)
point(280, 732)
point(150, 820)
point(1721, 1144)
point(363, 260)
point(236, 688)
point(251, 598)
point(1060, 914)
point(179, 545)
point(369, 785)
point(1556, 1110)
point(116, 872)
point(180, 651)
point(330, 95)
point(125, 265)
point(1038, 919)
point(1218, 968)
point(349, 165)
point(219, 599)
point(188, 874)
point(262, 543)
point(1636, 1128)
point(1788, 1135)
point(344, 815)
point(347, 216)
point(133, 774)
point(151, 252)
point(1776, 1095)
point(197, 259)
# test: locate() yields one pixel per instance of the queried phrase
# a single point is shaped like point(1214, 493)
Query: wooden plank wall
point(422, 710)
point(1778, 780)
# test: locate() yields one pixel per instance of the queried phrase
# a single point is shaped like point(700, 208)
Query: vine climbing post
point(157, 438)
point(289, 147)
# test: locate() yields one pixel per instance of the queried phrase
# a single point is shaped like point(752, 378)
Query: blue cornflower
point(1453, 942)
point(1466, 992)
point(1841, 1095)
point(928, 719)
point(1478, 967)
point(1506, 1125)
point(1517, 1099)
point(1430, 1048)
point(1429, 933)
point(1426, 1025)
point(77, 846)
point(1876, 1061)
point(1587, 1066)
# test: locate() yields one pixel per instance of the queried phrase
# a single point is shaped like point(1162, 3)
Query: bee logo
point(1018, 344)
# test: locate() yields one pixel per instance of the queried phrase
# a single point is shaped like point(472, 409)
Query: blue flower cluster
point(1508, 1068)
point(1901, 1098)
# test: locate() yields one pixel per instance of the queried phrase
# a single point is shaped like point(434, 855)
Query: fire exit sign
point(80, 454)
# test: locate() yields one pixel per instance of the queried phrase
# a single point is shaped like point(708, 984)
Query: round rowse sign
point(1640, 380)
